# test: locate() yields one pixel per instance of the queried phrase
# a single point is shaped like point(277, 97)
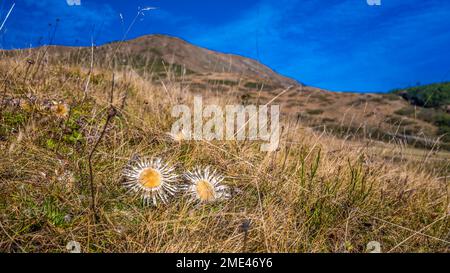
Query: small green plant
point(74, 138)
point(51, 144)
point(53, 214)
point(12, 120)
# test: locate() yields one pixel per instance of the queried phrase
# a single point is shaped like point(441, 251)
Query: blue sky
point(341, 45)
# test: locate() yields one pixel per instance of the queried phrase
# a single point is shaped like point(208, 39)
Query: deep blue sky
point(341, 45)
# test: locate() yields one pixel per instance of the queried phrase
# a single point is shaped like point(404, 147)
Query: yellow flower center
point(61, 110)
point(150, 178)
point(205, 191)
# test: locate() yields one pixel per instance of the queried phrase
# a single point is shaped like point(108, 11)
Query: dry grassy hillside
point(155, 54)
point(372, 116)
point(317, 193)
point(385, 117)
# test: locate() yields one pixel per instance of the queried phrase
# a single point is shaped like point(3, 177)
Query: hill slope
point(160, 58)
point(156, 53)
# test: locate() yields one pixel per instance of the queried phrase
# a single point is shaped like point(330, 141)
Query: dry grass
point(316, 194)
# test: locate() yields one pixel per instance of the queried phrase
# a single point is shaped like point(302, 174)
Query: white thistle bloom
point(73, 247)
point(373, 247)
point(61, 110)
point(205, 185)
point(151, 178)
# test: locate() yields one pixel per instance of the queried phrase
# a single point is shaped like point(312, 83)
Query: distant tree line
point(432, 95)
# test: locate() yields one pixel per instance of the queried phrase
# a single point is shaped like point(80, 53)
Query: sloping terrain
point(160, 54)
point(67, 132)
point(384, 117)
point(158, 58)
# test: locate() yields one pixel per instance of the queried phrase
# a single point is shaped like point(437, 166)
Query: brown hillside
point(159, 58)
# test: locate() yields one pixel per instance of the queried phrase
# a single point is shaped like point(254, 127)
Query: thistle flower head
point(61, 110)
point(205, 185)
point(151, 178)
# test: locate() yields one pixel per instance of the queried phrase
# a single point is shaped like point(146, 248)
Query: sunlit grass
point(316, 193)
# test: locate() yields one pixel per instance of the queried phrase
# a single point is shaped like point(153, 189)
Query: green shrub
point(445, 132)
point(399, 120)
point(406, 111)
point(391, 96)
point(257, 86)
point(433, 95)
